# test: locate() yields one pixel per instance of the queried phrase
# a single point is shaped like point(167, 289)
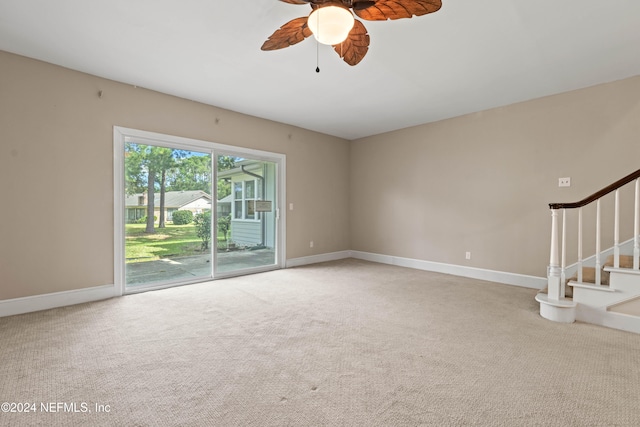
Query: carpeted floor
point(346, 343)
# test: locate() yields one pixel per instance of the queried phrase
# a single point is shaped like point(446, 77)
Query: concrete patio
point(168, 269)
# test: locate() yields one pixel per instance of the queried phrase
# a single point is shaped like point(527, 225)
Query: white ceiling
point(469, 56)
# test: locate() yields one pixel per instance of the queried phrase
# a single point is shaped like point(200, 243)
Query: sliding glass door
point(167, 215)
point(177, 227)
point(246, 214)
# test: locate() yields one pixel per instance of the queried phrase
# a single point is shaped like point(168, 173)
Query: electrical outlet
point(311, 244)
point(290, 206)
point(564, 182)
point(467, 255)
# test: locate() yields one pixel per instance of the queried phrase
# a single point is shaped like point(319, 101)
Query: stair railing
point(556, 271)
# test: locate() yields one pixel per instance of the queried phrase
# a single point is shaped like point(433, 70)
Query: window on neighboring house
point(134, 214)
point(250, 199)
point(244, 199)
point(237, 197)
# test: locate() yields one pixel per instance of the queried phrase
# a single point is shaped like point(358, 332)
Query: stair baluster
point(579, 244)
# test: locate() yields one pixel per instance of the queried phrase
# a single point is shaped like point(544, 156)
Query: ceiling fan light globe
point(330, 24)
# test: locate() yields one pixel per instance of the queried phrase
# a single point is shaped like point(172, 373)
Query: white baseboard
point(29, 304)
point(313, 259)
point(514, 279)
point(60, 299)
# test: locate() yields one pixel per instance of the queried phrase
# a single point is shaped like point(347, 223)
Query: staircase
point(616, 302)
point(608, 293)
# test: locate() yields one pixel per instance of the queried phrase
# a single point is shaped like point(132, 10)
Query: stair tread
point(589, 285)
point(630, 307)
point(568, 294)
point(564, 302)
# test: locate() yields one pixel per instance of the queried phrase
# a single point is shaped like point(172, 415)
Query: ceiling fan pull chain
point(318, 46)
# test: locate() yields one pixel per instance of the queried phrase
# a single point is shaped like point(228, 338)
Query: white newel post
point(598, 265)
point(553, 305)
point(554, 273)
point(616, 231)
point(563, 257)
point(636, 227)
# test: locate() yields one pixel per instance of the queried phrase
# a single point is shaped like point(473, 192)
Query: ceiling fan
point(332, 22)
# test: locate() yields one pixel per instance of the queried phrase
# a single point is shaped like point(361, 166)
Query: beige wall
point(482, 182)
point(478, 183)
point(56, 147)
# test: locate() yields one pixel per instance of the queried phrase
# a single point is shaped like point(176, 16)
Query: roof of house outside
point(227, 199)
point(172, 199)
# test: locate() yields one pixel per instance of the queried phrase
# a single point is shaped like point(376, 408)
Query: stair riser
point(625, 282)
point(595, 298)
point(626, 285)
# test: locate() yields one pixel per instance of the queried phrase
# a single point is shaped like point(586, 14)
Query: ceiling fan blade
point(355, 47)
point(289, 34)
point(363, 4)
point(382, 10)
point(296, 1)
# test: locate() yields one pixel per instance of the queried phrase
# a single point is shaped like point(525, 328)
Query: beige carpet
point(346, 343)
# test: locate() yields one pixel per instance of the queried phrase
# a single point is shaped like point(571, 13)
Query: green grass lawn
point(172, 241)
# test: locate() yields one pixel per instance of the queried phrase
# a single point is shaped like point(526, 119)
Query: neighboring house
point(195, 201)
point(251, 181)
point(224, 205)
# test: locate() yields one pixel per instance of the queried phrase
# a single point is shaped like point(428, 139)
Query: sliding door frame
point(120, 134)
